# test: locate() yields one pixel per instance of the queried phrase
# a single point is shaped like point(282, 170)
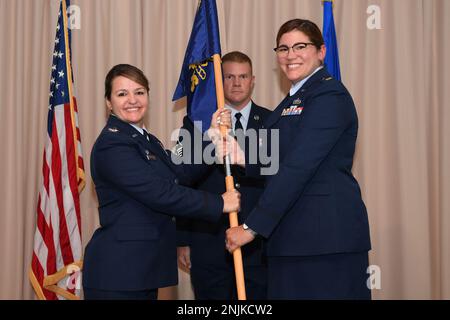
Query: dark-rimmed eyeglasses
point(297, 48)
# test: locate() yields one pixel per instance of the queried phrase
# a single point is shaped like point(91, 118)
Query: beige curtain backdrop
point(399, 76)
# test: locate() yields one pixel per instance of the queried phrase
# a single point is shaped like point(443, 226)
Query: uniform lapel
point(255, 120)
point(153, 145)
point(301, 94)
point(157, 146)
point(316, 78)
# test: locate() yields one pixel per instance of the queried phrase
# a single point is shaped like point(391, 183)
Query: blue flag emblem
point(197, 80)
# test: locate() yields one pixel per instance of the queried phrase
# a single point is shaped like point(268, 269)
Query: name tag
point(292, 111)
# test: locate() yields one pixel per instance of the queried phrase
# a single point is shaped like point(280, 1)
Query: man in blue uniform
point(201, 244)
point(311, 211)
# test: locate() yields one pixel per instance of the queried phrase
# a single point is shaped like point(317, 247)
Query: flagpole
point(80, 173)
point(229, 182)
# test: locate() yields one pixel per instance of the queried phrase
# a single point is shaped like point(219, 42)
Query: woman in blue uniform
point(311, 211)
point(133, 253)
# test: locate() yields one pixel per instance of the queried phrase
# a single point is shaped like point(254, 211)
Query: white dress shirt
point(245, 115)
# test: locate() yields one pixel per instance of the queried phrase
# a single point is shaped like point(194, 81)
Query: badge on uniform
point(113, 129)
point(292, 111)
point(178, 149)
point(297, 102)
point(149, 155)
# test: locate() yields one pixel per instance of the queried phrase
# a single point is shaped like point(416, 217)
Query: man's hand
point(237, 237)
point(221, 117)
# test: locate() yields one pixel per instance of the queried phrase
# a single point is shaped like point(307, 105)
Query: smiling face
point(298, 66)
point(238, 82)
point(129, 100)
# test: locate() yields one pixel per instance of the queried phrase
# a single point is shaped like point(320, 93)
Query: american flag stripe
point(37, 276)
point(44, 246)
point(62, 173)
point(44, 238)
point(60, 238)
point(80, 172)
point(42, 250)
point(57, 242)
point(71, 196)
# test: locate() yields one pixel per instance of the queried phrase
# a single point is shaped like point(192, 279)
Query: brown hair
point(127, 71)
point(309, 28)
point(237, 56)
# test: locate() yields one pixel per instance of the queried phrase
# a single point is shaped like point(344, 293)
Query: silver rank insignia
point(256, 117)
point(297, 102)
point(113, 129)
point(178, 149)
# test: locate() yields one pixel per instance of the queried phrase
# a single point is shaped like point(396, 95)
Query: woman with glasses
point(311, 210)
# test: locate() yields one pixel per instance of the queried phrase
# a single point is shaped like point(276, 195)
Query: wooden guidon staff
point(229, 181)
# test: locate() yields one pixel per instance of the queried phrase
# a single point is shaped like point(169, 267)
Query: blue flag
point(197, 74)
point(329, 35)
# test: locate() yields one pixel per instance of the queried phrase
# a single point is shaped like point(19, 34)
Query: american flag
point(57, 254)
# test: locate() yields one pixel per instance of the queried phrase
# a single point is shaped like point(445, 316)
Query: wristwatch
point(245, 227)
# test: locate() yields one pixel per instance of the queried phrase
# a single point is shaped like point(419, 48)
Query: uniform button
point(237, 186)
point(176, 181)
